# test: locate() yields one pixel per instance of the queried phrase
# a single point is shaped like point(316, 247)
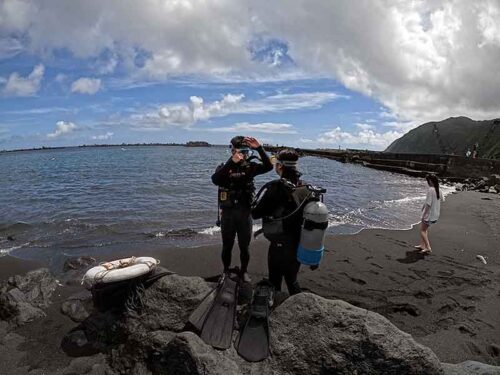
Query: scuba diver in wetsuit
point(235, 179)
point(284, 198)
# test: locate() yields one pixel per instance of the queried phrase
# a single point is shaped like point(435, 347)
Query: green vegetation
point(452, 136)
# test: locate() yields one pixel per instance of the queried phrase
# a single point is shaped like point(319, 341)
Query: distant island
point(187, 144)
point(197, 144)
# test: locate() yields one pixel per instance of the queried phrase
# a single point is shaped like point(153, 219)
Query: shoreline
point(448, 301)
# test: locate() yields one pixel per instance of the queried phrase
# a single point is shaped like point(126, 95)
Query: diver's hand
point(237, 157)
point(315, 267)
point(251, 142)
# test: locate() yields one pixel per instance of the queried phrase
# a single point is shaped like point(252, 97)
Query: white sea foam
point(405, 199)
point(215, 230)
point(9, 249)
point(210, 230)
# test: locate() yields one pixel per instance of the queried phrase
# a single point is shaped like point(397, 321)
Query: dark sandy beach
point(449, 301)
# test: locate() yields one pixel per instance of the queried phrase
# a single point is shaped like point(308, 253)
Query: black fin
point(198, 316)
point(217, 329)
point(253, 343)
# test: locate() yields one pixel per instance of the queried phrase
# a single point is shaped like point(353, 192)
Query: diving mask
point(244, 151)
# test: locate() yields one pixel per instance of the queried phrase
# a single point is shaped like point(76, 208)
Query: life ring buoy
point(119, 270)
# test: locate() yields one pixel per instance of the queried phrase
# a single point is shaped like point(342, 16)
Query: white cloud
point(421, 59)
point(85, 85)
point(10, 47)
point(363, 138)
point(364, 126)
point(62, 128)
point(60, 78)
point(265, 127)
point(103, 137)
point(17, 85)
point(306, 140)
point(197, 110)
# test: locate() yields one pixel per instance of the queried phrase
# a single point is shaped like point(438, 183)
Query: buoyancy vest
point(274, 226)
point(240, 188)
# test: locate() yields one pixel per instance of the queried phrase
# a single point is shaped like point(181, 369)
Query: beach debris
point(482, 259)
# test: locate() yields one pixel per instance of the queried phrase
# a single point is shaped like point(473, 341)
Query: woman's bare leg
point(424, 235)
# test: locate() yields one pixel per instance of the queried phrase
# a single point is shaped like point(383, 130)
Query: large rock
point(139, 348)
point(77, 306)
point(314, 335)
point(470, 368)
point(37, 286)
point(493, 180)
point(75, 310)
point(22, 297)
point(77, 344)
point(95, 365)
point(187, 354)
point(98, 333)
point(167, 304)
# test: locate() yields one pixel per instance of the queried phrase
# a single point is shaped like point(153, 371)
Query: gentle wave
point(215, 229)
point(7, 250)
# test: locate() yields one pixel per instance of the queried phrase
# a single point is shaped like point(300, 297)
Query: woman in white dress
point(430, 213)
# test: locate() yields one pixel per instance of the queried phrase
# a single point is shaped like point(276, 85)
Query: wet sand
point(449, 301)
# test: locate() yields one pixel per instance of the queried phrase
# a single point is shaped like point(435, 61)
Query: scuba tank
point(312, 235)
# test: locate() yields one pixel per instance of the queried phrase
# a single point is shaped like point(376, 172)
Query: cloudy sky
point(312, 73)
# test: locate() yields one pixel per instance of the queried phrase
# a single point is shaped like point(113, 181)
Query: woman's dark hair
point(434, 180)
point(289, 172)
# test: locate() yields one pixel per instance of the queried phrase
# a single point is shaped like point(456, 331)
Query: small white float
point(119, 270)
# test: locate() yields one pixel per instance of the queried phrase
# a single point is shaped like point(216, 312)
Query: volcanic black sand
point(449, 301)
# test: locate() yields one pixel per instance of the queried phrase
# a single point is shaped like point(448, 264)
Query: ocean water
point(76, 201)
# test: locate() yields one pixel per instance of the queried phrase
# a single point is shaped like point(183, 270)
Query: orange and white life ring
point(119, 270)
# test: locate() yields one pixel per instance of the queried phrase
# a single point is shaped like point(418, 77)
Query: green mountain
point(451, 136)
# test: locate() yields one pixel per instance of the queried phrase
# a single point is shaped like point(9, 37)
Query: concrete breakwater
point(418, 165)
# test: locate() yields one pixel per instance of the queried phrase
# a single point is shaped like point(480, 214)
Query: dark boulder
point(470, 368)
point(77, 344)
point(75, 310)
point(167, 304)
point(311, 334)
point(187, 354)
point(77, 306)
point(23, 297)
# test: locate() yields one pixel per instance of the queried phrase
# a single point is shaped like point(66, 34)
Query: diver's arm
point(266, 165)
point(221, 175)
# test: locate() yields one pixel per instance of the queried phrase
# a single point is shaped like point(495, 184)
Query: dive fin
point(253, 343)
point(198, 316)
point(217, 330)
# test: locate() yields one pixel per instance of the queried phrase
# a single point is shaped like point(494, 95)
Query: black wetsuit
point(237, 181)
point(282, 255)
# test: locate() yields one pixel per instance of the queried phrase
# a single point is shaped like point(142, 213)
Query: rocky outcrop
point(470, 368)
point(312, 334)
point(77, 306)
point(22, 298)
point(309, 334)
point(485, 185)
point(166, 305)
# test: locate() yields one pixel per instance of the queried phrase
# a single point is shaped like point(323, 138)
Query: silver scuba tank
point(311, 247)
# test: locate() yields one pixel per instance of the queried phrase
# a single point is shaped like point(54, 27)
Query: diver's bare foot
point(420, 247)
point(425, 251)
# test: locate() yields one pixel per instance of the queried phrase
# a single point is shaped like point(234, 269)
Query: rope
point(122, 263)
